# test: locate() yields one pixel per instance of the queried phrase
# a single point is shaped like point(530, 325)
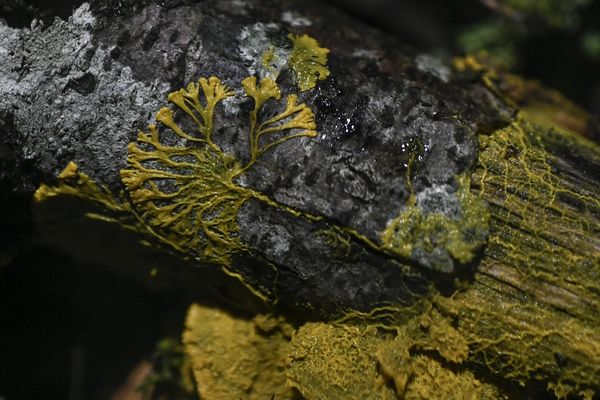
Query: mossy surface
point(234, 358)
point(106, 206)
point(308, 60)
point(531, 315)
point(182, 188)
point(544, 243)
point(414, 232)
point(419, 359)
point(336, 362)
point(199, 184)
point(188, 193)
point(73, 182)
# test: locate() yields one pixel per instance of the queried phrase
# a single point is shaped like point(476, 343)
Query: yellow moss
point(412, 230)
point(234, 358)
point(544, 107)
point(478, 63)
point(420, 377)
point(185, 194)
point(544, 238)
point(563, 391)
point(441, 337)
point(340, 361)
point(268, 58)
point(308, 61)
point(295, 116)
point(336, 362)
point(532, 313)
point(556, 117)
point(526, 341)
point(430, 380)
point(470, 63)
point(73, 182)
point(517, 176)
point(399, 234)
point(200, 206)
point(338, 240)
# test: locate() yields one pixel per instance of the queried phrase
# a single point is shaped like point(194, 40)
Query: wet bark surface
point(79, 90)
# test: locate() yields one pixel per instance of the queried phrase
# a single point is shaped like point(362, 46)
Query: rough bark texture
point(80, 90)
point(374, 213)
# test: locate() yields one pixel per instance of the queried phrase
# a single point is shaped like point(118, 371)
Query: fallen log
point(310, 166)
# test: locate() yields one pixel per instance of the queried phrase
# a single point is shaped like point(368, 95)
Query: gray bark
point(80, 90)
